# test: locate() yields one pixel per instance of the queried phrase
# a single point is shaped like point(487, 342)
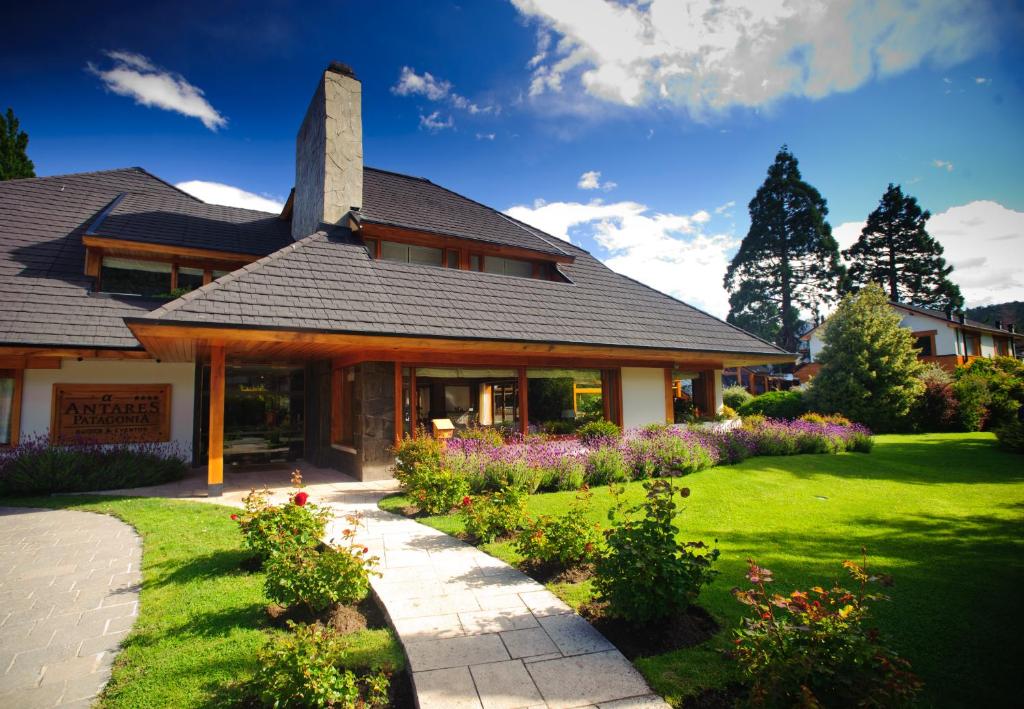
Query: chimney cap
point(341, 68)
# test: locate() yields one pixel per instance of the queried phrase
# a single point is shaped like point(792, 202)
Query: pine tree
point(869, 366)
point(14, 162)
point(788, 262)
point(896, 251)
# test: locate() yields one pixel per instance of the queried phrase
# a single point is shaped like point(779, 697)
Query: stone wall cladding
point(375, 418)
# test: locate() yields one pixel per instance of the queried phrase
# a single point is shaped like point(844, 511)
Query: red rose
point(234, 517)
point(467, 501)
point(766, 615)
point(366, 550)
point(300, 498)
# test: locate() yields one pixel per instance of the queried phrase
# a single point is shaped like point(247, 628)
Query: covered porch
point(361, 394)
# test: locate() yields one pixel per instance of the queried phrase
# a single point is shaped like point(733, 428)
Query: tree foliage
point(896, 251)
point(788, 261)
point(869, 367)
point(14, 162)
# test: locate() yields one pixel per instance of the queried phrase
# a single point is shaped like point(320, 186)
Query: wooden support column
point(670, 413)
point(398, 403)
point(413, 403)
point(215, 463)
point(606, 395)
point(524, 402)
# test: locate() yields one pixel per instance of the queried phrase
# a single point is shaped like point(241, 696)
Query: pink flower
point(300, 498)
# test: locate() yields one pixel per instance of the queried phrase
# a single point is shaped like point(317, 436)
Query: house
point(945, 338)
point(757, 379)
point(374, 304)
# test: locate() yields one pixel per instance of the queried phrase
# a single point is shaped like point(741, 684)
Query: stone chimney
point(329, 153)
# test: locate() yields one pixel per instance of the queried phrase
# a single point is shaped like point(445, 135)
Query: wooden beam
point(215, 465)
point(524, 402)
point(413, 418)
point(41, 357)
point(670, 412)
point(15, 429)
point(165, 251)
point(399, 420)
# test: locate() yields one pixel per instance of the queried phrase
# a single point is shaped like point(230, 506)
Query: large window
point(925, 343)
point(10, 394)
point(342, 415)
point(569, 396)
point(448, 257)
point(134, 277)
point(508, 266)
point(411, 253)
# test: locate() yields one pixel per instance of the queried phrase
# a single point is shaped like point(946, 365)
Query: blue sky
point(680, 108)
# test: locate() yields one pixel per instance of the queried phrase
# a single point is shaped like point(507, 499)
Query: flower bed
point(546, 464)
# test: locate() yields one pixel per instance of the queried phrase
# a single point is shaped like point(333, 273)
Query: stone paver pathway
point(69, 592)
point(478, 633)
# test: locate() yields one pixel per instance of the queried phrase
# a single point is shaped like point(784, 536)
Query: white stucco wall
point(38, 391)
point(945, 336)
point(643, 396)
point(718, 391)
point(988, 346)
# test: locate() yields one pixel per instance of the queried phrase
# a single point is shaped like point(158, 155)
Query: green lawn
point(202, 618)
point(942, 513)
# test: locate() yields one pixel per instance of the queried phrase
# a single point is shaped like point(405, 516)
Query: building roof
point(325, 282)
point(416, 203)
point(932, 313)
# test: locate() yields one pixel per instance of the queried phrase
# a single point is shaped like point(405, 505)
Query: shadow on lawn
point(218, 564)
point(920, 460)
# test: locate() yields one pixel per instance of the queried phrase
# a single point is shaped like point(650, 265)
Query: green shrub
point(304, 668)
point(567, 539)
point(1011, 436)
point(727, 413)
point(492, 515)
point(606, 465)
point(814, 649)
point(753, 421)
point(268, 529)
point(413, 453)
point(486, 434)
point(35, 467)
point(437, 490)
point(827, 419)
point(1004, 380)
point(558, 427)
point(571, 473)
point(597, 431)
point(646, 574)
point(973, 398)
point(502, 474)
point(320, 577)
point(776, 405)
point(736, 396)
point(675, 455)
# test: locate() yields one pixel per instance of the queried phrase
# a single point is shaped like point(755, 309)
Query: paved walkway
point(478, 633)
point(69, 592)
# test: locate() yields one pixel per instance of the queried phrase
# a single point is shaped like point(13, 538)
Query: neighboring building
point(758, 379)
point(373, 304)
point(944, 338)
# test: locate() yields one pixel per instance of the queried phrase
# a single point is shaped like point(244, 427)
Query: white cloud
point(591, 180)
point(982, 80)
point(943, 165)
point(218, 193)
point(434, 89)
point(434, 123)
point(724, 208)
point(669, 252)
point(709, 55)
point(984, 242)
point(485, 136)
point(136, 76)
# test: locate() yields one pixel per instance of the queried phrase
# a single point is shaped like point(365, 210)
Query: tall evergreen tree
point(896, 251)
point(788, 261)
point(14, 162)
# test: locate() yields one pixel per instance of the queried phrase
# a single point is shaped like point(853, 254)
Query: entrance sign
point(111, 413)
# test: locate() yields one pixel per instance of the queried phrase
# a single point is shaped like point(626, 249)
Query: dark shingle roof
point(329, 283)
point(43, 289)
point(416, 203)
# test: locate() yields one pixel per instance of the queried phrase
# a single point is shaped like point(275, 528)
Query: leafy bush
point(319, 577)
point(567, 539)
point(937, 409)
point(973, 398)
point(1011, 436)
point(559, 427)
point(727, 413)
point(776, 405)
point(269, 529)
point(486, 434)
point(753, 421)
point(35, 467)
point(596, 431)
point(826, 419)
point(570, 473)
point(736, 396)
point(413, 453)
point(606, 465)
point(1004, 380)
point(501, 474)
point(813, 649)
point(437, 490)
point(645, 573)
point(490, 516)
point(304, 668)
